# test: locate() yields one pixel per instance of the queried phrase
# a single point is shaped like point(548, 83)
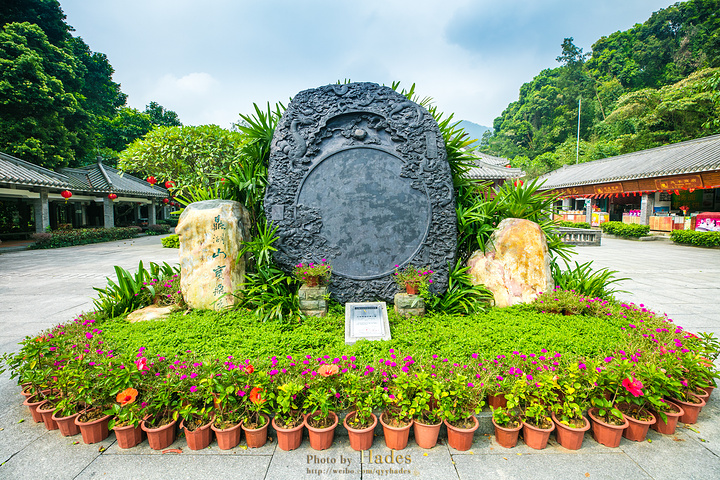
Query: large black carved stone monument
point(359, 176)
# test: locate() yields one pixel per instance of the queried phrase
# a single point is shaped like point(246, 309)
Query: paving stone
point(538, 467)
point(18, 429)
point(411, 462)
point(51, 456)
point(674, 456)
point(176, 467)
point(337, 462)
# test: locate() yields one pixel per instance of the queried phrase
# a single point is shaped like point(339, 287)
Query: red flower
point(328, 370)
point(255, 396)
point(634, 386)
point(126, 396)
point(249, 369)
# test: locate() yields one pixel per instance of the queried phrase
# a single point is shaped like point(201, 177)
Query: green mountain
point(653, 84)
point(476, 131)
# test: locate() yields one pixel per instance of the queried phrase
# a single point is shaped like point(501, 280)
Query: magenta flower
point(634, 386)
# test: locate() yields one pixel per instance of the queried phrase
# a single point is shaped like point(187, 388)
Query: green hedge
point(700, 239)
point(568, 224)
point(171, 241)
point(158, 229)
point(82, 236)
point(625, 229)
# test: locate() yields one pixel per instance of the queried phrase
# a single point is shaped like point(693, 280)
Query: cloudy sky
point(210, 60)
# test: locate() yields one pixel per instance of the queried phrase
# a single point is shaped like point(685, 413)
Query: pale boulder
point(151, 312)
point(211, 233)
point(516, 266)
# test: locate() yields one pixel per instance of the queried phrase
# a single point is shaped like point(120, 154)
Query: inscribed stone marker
point(358, 175)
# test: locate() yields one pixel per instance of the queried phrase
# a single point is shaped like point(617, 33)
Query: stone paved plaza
point(41, 288)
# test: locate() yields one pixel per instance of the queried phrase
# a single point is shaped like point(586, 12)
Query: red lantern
point(152, 180)
point(66, 194)
point(112, 196)
point(166, 201)
point(518, 183)
point(169, 184)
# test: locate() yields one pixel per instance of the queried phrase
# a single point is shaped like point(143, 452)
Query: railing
point(580, 236)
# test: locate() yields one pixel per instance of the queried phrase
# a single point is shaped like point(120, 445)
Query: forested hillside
point(654, 84)
point(59, 105)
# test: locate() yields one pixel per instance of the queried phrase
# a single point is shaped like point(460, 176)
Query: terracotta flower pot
point(396, 438)
point(691, 410)
point(46, 411)
point(637, 429)
point(321, 438)
point(461, 438)
point(702, 394)
point(569, 437)
point(426, 435)
point(290, 438)
point(227, 438)
point(536, 437)
point(360, 438)
point(506, 437)
point(66, 425)
point(411, 289)
point(200, 437)
point(32, 405)
point(668, 427)
point(709, 389)
point(257, 437)
point(497, 401)
point(94, 431)
point(605, 433)
point(312, 281)
point(160, 437)
point(128, 436)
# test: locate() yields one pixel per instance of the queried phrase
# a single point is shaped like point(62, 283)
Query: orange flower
point(255, 396)
point(249, 369)
point(328, 370)
point(126, 396)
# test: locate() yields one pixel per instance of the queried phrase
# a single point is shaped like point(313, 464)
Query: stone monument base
point(409, 305)
point(313, 301)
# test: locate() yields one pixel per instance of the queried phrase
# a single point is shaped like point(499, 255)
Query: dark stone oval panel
point(371, 214)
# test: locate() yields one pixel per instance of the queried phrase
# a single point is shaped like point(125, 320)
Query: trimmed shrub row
point(621, 229)
point(171, 241)
point(700, 239)
point(158, 229)
point(82, 236)
point(569, 224)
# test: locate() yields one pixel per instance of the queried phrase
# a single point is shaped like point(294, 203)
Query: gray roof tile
point(693, 156)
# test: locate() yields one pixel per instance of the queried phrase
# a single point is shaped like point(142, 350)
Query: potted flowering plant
point(463, 400)
point(126, 417)
point(313, 274)
point(226, 391)
point(196, 410)
point(425, 408)
point(412, 278)
point(536, 393)
point(288, 421)
point(396, 418)
point(607, 421)
point(363, 395)
point(575, 383)
point(507, 422)
point(256, 419)
point(321, 398)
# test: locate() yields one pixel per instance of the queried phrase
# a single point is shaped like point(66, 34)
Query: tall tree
point(46, 14)
point(160, 116)
point(41, 117)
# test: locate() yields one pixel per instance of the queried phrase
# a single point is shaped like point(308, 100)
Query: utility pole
point(577, 148)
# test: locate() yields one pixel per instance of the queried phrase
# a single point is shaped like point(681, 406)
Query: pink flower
point(634, 386)
point(141, 364)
